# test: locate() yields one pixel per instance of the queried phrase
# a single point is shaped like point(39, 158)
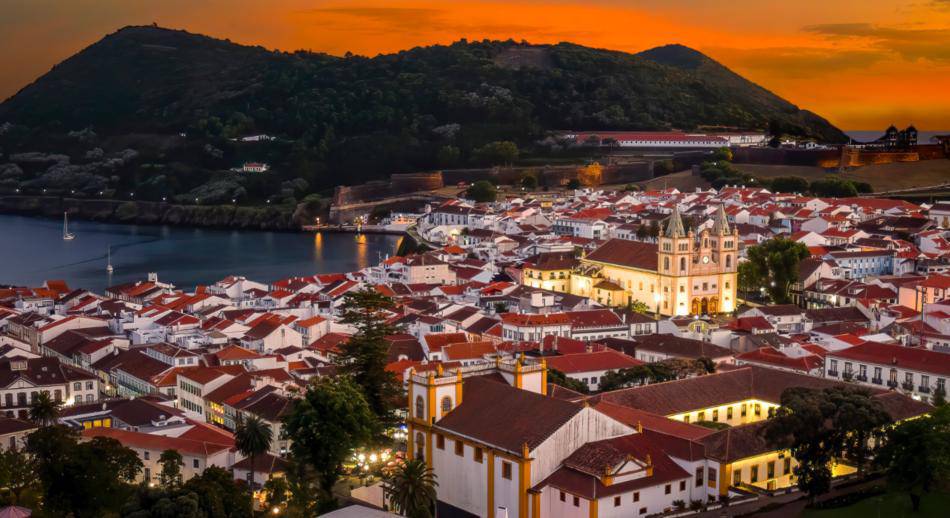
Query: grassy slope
point(883, 177)
point(889, 505)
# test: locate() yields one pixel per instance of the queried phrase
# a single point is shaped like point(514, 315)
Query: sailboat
point(67, 235)
point(109, 260)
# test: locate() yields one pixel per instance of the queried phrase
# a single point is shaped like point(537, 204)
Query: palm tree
point(252, 438)
point(411, 489)
point(44, 410)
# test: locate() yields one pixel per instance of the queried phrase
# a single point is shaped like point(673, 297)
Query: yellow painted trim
point(524, 482)
point(725, 476)
point(410, 450)
point(491, 483)
point(518, 375)
point(593, 508)
point(535, 505)
point(430, 392)
point(458, 388)
point(544, 377)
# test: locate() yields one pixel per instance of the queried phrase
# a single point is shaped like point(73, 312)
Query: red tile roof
point(608, 359)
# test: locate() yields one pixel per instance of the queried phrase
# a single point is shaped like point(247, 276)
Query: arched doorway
point(714, 305)
point(695, 307)
point(704, 306)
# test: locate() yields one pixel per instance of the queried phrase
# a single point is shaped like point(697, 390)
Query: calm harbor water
point(32, 250)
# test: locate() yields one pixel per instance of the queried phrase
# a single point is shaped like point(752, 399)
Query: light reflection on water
point(32, 251)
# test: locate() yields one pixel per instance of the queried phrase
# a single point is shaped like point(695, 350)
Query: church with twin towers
point(683, 273)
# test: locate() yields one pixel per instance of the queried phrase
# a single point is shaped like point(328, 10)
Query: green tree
point(252, 438)
point(833, 187)
point(44, 410)
point(91, 478)
point(277, 490)
point(410, 489)
point(502, 152)
point(219, 494)
point(723, 154)
point(482, 191)
point(17, 474)
point(366, 354)
point(559, 378)
point(638, 306)
point(325, 426)
point(789, 184)
point(774, 266)
point(529, 181)
point(171, 462)
point(916, 454)
point(447, 156)
point(821, 425)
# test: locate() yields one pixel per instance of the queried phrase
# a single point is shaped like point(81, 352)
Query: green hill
point(346, 120)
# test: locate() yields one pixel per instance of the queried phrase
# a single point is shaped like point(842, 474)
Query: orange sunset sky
point(863, 64)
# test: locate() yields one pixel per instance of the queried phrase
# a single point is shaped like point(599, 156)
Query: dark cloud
point(797, 62)
point(928, 44)
point(414, 20)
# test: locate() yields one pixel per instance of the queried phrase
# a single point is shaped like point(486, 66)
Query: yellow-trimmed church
point(682, 274)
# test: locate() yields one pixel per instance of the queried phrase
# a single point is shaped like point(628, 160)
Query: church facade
point(684, 273)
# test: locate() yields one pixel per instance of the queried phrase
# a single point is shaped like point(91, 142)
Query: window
point(737, 477)
point(682, 485)
point(459, 448)
point(787, 466)
point(728, 261)
point(420, 407)
point(716, 415)
point(478, 454)
point(89, 385)
point(701, 416)
point(446, 405)
point(758, 409)
point(577, 502)
point(420, 446)
point(636, 496)
point(666, 263)
point(563, 496)
point(682, 264)
point(699, 477)
point(616, 501)
point(755, 474)
point(440, 441)
point(728, 413)
point(711, 477)
point(643, 510)
point(742, 410)
point(506, 471)
point(77, 385)
point(686, 418)
point(668, 489)
point(770, 469)
point(194, 463)
point(145, 455)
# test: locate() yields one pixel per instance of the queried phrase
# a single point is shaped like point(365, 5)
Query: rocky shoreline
point(275, 217)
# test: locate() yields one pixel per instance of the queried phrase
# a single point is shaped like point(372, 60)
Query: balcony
point(861, 377)
point(923, 389)
point(847, 376)
point(908, 386)
point(877, 381)
point(833, 374)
